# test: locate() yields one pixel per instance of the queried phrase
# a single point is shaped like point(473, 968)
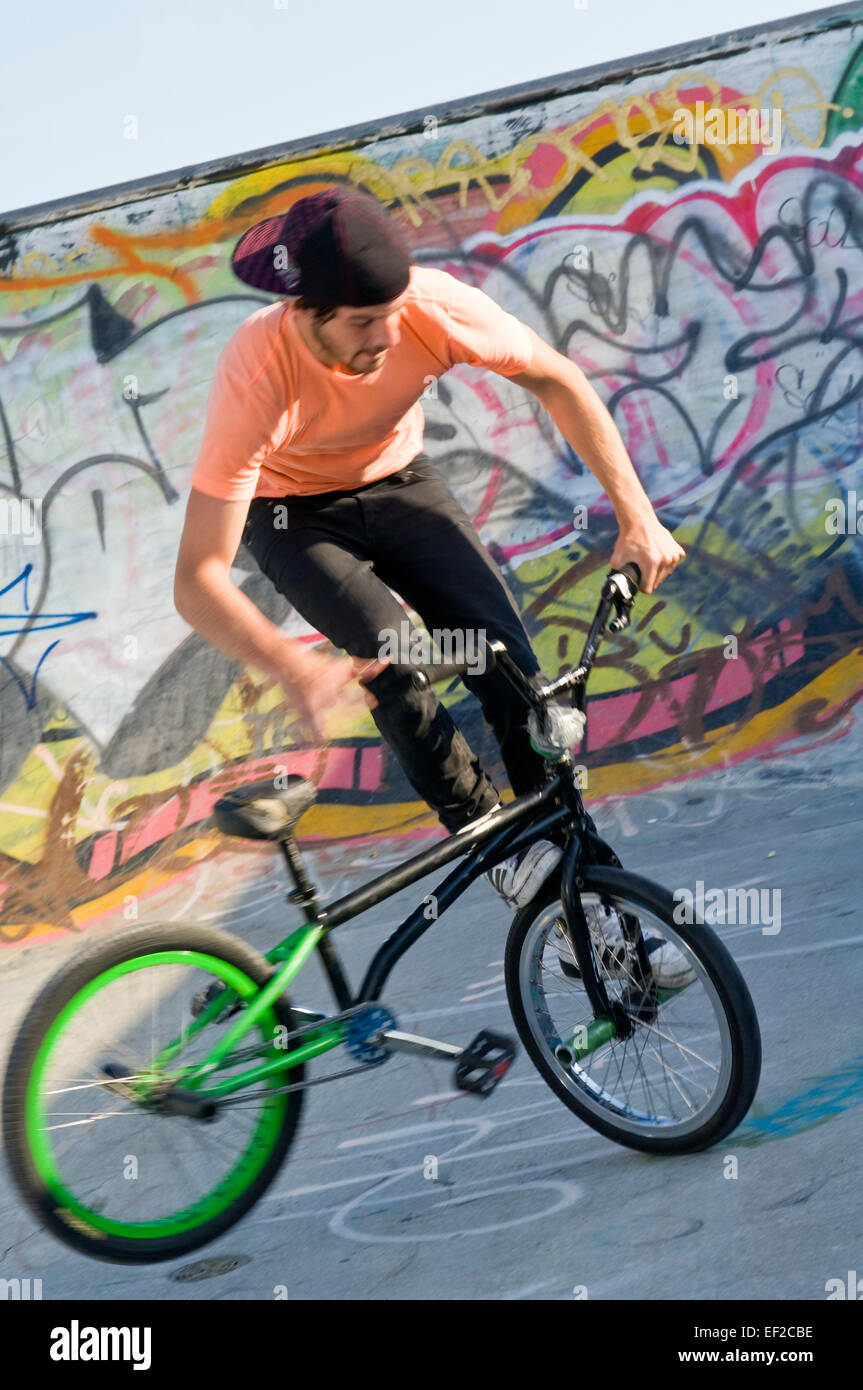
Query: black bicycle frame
point(557, 805)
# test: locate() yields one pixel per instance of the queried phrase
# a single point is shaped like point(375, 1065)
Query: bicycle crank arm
point(423, 1047)
point(478, 1067)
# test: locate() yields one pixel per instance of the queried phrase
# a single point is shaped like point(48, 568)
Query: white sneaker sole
point(669, 966)
point(540, 861)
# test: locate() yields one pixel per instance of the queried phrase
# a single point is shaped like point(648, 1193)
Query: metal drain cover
point(209, 1269)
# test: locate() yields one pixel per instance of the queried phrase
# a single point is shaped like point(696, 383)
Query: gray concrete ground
point(529, 1203)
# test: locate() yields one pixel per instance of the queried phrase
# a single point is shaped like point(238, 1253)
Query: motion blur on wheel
point(109, 1149)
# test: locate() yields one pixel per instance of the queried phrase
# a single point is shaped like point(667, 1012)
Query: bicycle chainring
point(363, 1029)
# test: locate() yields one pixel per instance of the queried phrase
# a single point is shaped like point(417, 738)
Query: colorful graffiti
point(710, 291)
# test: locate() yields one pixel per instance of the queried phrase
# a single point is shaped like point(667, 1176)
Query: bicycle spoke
point(184, 1158)
point(669, 1072)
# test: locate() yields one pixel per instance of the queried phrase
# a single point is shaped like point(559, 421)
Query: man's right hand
point(315, 684)
point(318, 687)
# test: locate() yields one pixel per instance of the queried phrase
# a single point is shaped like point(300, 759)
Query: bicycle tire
point(721, 969)
point(56, 994)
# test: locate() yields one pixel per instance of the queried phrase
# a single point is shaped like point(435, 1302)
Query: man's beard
point(359, 368)
point(371, 366)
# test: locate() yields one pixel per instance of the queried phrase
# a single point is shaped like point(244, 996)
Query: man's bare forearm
point(586, 424)
point(223, 615)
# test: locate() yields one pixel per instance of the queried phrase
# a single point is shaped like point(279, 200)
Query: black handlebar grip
point(441, 673)
point(632, 572)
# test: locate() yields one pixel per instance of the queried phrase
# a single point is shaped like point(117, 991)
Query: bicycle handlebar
point(618, 592)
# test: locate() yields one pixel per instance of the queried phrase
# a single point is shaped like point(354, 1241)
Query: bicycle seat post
point(305, 897)
point(304, 894)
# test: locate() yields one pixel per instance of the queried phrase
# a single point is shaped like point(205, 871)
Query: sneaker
point(671, 970)
point(519, 878)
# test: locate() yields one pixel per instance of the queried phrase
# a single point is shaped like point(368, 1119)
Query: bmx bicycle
point(177, 1046)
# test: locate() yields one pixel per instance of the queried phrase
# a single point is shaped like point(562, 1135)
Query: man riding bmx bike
point(312, 454)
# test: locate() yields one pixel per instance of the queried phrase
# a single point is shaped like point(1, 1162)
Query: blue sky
point(209, 78)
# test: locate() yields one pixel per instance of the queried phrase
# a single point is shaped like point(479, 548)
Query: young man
point(312, 454)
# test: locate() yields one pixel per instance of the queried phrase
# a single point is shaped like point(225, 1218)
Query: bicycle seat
point(260, 811)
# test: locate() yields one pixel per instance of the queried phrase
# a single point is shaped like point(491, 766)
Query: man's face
point(360, 338)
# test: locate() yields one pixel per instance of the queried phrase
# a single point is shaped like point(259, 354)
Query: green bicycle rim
point(244, 1172)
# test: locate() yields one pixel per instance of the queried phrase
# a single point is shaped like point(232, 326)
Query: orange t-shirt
point(280, 423)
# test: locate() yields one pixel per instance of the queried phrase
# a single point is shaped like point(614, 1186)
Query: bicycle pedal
point(484, 1062)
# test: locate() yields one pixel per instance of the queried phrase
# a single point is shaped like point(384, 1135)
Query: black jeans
point(336, 556)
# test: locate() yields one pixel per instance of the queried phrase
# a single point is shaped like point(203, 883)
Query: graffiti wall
point(690, 235)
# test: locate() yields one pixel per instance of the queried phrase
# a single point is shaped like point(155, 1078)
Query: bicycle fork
point(610, 1018)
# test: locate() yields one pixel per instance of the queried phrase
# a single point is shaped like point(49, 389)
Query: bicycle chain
point(250, 1053)
point(297, 1086)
